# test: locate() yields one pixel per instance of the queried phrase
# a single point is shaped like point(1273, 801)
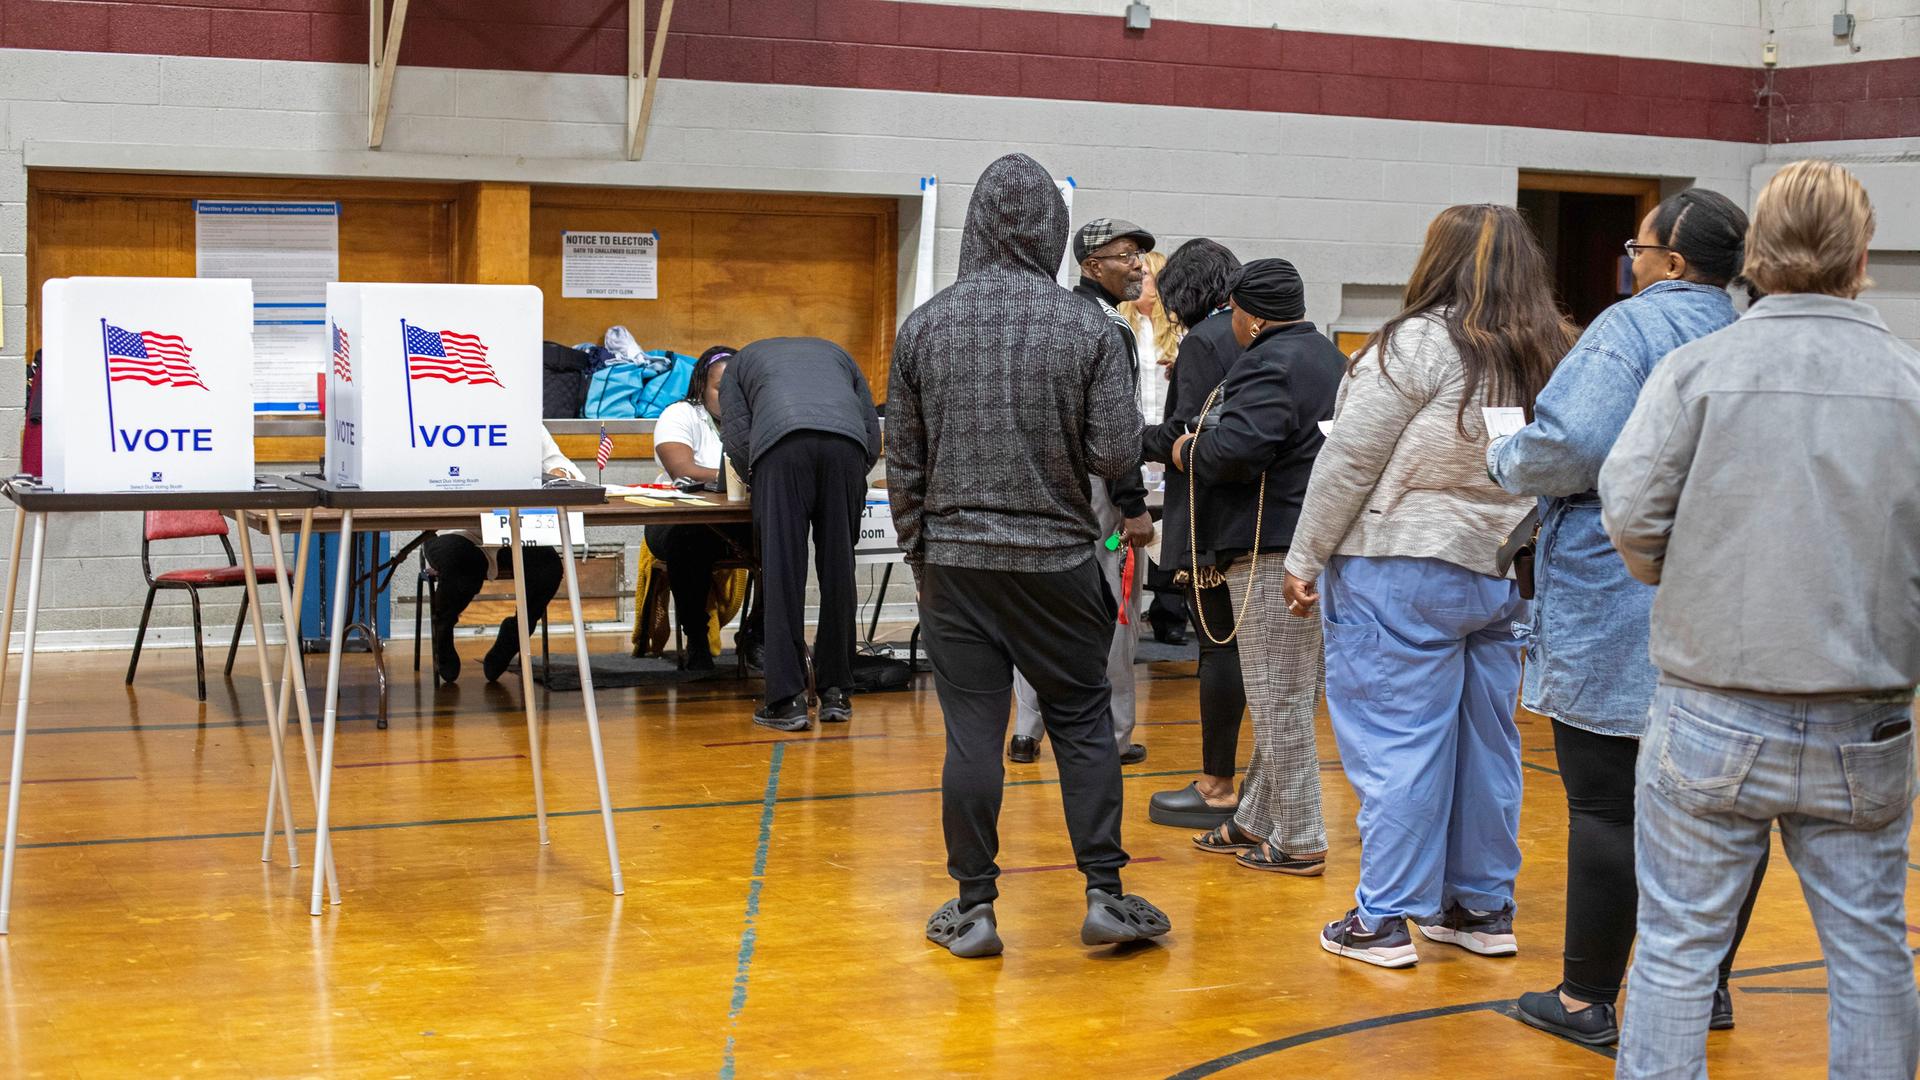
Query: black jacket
point(1269, 414)
point(1128, 492)
point(1007, 393)
point(778, 386)
point(1206, 354)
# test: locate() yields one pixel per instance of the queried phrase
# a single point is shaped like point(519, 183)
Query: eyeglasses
point(1635, 247)
point(1128, 257)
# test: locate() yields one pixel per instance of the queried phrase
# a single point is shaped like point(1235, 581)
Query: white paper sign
point(1503, 421)
point(876, 524)
point(290, 251)
point(148, 384)
point(434, 387)
point(929, 227)
point(1069, 270)
point(1326, 429)
point(610, 265)
point(539, 527)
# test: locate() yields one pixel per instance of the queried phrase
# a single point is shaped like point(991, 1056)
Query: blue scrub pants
point(1423, 668)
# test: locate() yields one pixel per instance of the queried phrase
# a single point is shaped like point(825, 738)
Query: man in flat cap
point(1109, 252)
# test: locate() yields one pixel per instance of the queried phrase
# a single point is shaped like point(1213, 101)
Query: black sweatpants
point(690, 552)
point(1223, 697)
point(979, 626)
point(808, 480)
point(461, 567)
point(1602, 899)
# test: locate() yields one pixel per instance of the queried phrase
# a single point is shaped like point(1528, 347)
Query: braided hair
point(697, 388)
point(1708, 230)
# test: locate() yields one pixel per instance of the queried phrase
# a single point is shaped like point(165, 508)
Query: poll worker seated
point(798, 423)
point(462, 567)
point(686, 443)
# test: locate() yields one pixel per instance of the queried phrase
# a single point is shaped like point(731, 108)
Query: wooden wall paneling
point(492, 244)
point(663, 323)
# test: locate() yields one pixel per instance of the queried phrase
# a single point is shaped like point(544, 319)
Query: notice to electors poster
point(290, 250)
point(610, 265)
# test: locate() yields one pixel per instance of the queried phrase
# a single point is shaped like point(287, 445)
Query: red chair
point(187, 525)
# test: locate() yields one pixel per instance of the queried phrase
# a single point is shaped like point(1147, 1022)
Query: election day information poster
point(290, 250)
point(610, 265)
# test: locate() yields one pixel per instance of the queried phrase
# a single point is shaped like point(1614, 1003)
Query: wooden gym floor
point(776, 891)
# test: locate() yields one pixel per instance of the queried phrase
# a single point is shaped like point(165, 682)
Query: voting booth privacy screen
point(148, 384)
point(433, 387)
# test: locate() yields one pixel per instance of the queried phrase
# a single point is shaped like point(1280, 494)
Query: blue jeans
point(1716, 771)
point(1423, 667)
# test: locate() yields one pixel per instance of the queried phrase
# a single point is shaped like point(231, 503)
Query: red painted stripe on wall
point(939, 48)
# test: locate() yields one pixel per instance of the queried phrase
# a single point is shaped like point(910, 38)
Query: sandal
point(967, 933)
point(1115, 920)
point(1228, 839)
point(1264, 856)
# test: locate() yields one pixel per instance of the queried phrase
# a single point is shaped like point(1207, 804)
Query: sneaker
point(1487, 934)
point(506, 647)
point(1116, 920)
point(1387, 946)
point(1024, 749)
point(1595, 1025)
point(788, 715)
point(1133, 754)
point(1722, 1019)
point(965, 932)
point(834, 706)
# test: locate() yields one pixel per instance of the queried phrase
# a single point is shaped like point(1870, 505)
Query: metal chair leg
point(145, 614)
point(199, 652)
point(419, 587)
point(237, 624)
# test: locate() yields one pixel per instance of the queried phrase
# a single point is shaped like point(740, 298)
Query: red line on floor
point(1070, 866)
point(429, 761)
point(72, 780)
point(802, 739)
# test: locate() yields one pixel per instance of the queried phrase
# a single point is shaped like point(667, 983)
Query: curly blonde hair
point(1166, 332)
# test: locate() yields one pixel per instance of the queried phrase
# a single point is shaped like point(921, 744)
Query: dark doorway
point(1582, 223)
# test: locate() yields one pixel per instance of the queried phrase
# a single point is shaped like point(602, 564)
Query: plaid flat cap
point(1100, 232)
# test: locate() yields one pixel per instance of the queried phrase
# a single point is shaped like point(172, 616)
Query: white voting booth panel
point(433, 387)
point(148, 384)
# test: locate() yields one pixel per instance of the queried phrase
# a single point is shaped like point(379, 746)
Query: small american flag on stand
point(449, 356)
point(342, 355)
point(605, 453)
point(151, 358)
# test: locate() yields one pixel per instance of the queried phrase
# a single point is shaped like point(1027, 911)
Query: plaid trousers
point(1285, 672)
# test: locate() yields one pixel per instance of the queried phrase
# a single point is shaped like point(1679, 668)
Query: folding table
point(33, 502)
point(560, 494)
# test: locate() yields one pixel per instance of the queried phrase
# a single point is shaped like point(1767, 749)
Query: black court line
point(494, 819)
point(1539, 768)
point(1783, 989)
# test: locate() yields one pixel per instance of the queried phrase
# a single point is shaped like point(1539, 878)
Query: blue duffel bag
point(623, 390)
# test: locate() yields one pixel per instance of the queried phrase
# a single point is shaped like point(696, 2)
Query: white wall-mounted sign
point(290, 251)
point(434, 387)
point(610, 265)
point(148, 384)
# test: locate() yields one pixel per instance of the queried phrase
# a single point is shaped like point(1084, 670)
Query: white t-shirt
point(690, 425)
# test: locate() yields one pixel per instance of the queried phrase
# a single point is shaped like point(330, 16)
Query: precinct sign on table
point(149, 384)
point(433, 387)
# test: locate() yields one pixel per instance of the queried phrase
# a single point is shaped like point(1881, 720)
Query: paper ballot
point(1504, 421)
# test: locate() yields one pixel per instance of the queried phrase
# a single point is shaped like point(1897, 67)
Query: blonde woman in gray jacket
point(1398, 543)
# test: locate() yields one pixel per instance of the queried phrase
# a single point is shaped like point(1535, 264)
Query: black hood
point(1015, 221)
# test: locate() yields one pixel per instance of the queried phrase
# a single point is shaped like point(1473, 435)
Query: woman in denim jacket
point(1587, 667)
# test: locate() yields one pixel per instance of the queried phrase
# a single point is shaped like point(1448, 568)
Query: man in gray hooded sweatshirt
point(1007, 393)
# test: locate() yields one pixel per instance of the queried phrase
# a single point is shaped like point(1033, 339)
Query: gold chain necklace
point(1193, 534)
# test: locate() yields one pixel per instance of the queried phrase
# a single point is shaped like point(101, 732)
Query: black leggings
point(1602, 898)
point(1223, 698)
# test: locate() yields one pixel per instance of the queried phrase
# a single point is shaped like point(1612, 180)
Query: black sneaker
point(1024, 749)
point(1133, 754)
point(788, 715)
point(446, 658)
point(1488, 934)
point(1388, 945)
point(1722, 1019)
point(834, 706)
point(1595, 1025)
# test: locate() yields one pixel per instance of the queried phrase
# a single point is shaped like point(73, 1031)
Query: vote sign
point(434, 386)
point(148, 384)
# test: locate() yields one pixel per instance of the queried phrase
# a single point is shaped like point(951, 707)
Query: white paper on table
point(1505, 420)
point(1326, 429)
point(539, 527)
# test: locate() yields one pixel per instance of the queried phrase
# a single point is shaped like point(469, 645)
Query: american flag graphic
point(605, 453)
point(449, 356)
point(342, 355)
point(151, 358)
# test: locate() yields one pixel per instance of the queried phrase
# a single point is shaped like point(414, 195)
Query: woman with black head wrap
point(1587, 662)
point(1249, 460)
